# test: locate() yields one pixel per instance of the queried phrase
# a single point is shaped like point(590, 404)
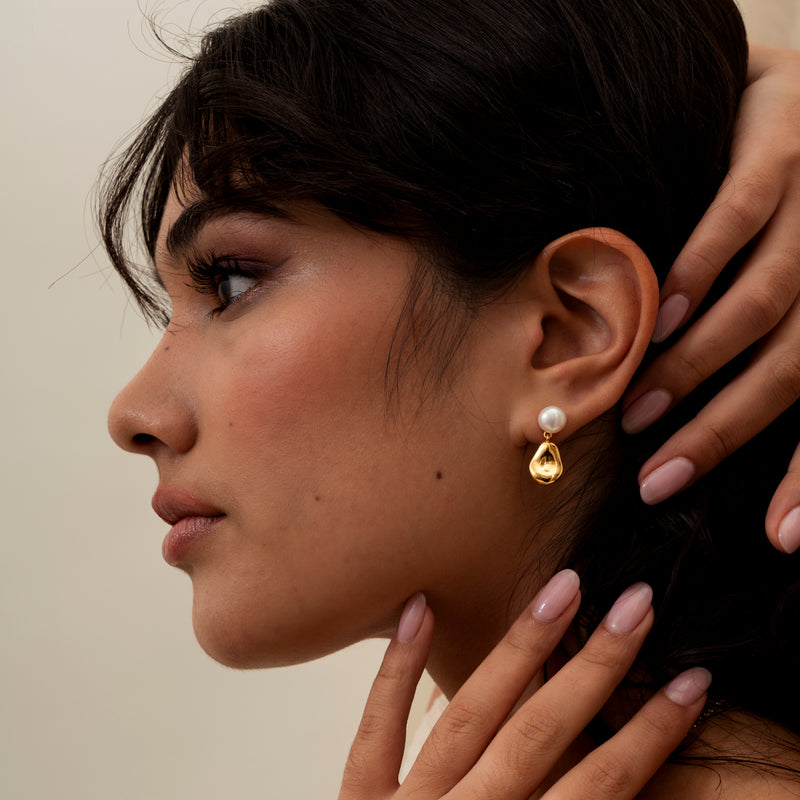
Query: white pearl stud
point(552, 419)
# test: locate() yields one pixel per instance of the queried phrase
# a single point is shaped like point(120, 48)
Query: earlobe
point(595, 318)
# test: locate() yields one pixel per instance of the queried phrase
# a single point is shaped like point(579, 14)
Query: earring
point(546, 466)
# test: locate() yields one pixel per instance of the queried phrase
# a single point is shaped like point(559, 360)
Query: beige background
point(104, 693)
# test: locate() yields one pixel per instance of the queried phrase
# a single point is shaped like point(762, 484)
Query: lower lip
point(184, 534)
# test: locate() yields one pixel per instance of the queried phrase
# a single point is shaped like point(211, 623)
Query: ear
point(589, 305)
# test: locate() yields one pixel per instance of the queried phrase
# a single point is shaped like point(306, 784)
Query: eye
point(226, 279)
point(231, 286)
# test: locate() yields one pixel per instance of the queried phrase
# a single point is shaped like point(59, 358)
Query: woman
point(391, 234)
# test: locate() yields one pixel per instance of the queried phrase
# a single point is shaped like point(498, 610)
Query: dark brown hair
point(482, 131)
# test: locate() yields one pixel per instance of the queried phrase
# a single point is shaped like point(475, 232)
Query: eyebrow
point(184, 231)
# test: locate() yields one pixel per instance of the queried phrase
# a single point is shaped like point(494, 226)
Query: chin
point(231, 641)
point(237, 638)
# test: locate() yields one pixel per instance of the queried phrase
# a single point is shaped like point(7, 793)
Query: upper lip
point(173, 505)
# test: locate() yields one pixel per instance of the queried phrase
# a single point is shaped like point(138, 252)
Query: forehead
point(191, 217)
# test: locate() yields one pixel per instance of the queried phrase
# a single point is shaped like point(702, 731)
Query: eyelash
point(207, 272)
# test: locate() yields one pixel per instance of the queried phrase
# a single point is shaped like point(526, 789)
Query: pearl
point(552, 419)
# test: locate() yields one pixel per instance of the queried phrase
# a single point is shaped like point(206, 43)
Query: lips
point(173, 505)
point(191, 519)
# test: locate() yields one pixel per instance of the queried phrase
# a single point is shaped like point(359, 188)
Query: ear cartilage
point(546, 466)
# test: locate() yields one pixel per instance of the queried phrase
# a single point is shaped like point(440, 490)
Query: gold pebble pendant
point(546, 466)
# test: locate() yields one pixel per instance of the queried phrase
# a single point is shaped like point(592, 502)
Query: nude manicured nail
point(668, 479)
point(670, 315)
point(554, 599)
point(411, 618)
point(630, 609)
point(646, 410)
point(689, 686)
point(789, 531)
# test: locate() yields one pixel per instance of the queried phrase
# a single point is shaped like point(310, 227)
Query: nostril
point(143, 439)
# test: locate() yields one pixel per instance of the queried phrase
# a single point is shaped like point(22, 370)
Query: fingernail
point(689, 686)
point(666, 480)
point(670, 315)
point(789, 531)
point(411, 618)
point(646, 410)
point(630, 609)
point(554, 599)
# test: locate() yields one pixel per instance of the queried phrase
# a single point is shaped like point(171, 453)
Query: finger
point(622, 766)
point(752, 307)
point(746, 201)
point(754, 399)
point(757, 180)
point(374, 762)
point(783, 515)
point(479, 708)
point(530, 744)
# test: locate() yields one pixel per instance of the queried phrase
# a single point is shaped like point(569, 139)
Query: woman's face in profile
point(308, 501)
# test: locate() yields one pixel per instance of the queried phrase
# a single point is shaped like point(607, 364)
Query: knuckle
point(428, 765)
point(777, 287)
point(495, 781)
point(784, 387)
point(783, 274)
point(392, 673)
point(657, 727)
point(540, 730)
point(356, 778)
point(742, 208)
point(601, 657)
point(751, 195)
point(717, 441)
point(368, 729)
point(762, 308)
point(610, 776)
point(689, 369)
point(518, 639)
point(700, 265)
point(462, 719)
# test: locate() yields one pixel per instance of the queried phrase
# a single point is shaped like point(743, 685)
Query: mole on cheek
point(438, 476)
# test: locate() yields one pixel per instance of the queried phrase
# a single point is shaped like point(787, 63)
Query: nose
point(153, 414)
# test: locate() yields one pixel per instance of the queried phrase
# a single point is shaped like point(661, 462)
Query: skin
point(284, 393)
point(466, 756)
point(255, 606)
point(340, 499)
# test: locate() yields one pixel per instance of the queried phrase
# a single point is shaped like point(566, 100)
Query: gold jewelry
point(711, 710)
point(546, 466)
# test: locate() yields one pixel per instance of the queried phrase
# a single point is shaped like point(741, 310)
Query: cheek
point(337, 514)
point(294, 422)
point(304, 392)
